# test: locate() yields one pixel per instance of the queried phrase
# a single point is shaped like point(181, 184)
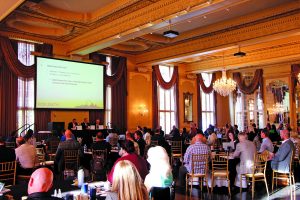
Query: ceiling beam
point(8, 6)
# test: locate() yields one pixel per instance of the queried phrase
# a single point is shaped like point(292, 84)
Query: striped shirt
point(197, 148)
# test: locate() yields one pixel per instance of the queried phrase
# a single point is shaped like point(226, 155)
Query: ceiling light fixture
point(239, 53)
point(170, 33)
point(224, 86)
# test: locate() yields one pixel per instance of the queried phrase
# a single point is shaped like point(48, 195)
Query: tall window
point(108, 93)
point(207, 104)
point(167, 108)
point(25, 104)
point(249, 108)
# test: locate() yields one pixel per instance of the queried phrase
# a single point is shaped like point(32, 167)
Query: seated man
point(7, 154)
point(85, 124)
point(138, 135)
point(70, 143)
point(127, 153)
point(72, 125)
point(39, 184)
point(245, 150)
point(26, 156)
point(281, 160)
point(100, 143)
point(197, 148)
point(266, 142)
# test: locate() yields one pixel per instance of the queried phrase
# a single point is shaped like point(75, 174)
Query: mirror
point(278, 101)
point(188, 107)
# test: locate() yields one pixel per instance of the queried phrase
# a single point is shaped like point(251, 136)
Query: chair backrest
point(71, 159)
point(199, 163)
point(8, 172)
point(157, 193)
point(10, 145)
point(154, 142)
point(292, 161)
point(176, 147)
point(53, 146)
point(220, 161)
point(41, 154)
point(260, 163)
point(99, 160)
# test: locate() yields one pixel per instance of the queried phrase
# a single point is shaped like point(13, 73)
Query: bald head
point(284, 134)
point(68, 134)
point(40, 181)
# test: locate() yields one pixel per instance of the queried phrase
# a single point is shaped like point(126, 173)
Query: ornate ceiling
point(135, 27)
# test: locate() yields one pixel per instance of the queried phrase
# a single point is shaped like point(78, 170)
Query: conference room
point(104, 82)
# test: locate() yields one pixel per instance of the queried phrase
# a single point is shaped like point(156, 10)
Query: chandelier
point(224, 86)
point(277, 108)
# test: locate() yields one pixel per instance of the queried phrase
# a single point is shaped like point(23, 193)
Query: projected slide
point(68, 85)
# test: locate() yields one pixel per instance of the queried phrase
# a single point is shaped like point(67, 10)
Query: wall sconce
point(142, 110)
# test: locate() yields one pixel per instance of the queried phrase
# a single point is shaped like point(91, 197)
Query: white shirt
point(26, 155)
point(266, 145)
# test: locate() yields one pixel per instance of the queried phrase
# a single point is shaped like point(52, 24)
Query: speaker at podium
point(56, 127)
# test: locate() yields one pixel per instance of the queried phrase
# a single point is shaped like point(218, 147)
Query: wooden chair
point(289, 176)
point(176, 148)
point(258, 173)
point(10, 145)
point(154, 142)
point(52, 149)
point(41, 154)
point(199, 170)
point(297, 154)
point(8, 172)
point(101, 154)
point(71, 159)
point(220, 169)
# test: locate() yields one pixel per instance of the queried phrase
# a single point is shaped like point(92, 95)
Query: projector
point(171, 34)
point(240, 54)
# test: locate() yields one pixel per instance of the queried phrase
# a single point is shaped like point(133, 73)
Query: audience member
point(161, 132)
point(12, 137)
point(127, 153)
point(232, 140)
point(197, 148)
point(100, 143)
point(273, 134)
point(138, 135)
point(266, 142)
point(129, 136)
point(127, 183)
point(85, 124)
point(29, 137)
point(70, 143)
point(281, 160)
point(19, 141)
point(193, 130)
point(72, 125)
point(160, 174)
point(245, 150)
point(147, 136)
point(257, 141)
point(63, 137)
point(39, 184)
point(7, 154)
point(212, 138)
point(112, 139)
point(26, 156)
point(175, 134)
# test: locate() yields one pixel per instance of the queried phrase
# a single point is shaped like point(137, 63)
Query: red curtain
point(205, 89)
point(11, 69)
point(118, 82)
point(295, 72)
point(256, 83)
point(156, 77)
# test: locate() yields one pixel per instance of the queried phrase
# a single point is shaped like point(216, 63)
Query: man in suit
point(85, 124)
point(7, 154)
point(281, 160)
point(39, 184)
point(245, 150)
point(72, 125)
point(138, 136)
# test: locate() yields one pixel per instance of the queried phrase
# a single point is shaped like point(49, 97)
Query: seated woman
point(160, 171)
point(127, 183)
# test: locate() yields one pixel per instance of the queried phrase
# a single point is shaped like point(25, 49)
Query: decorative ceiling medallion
point(131, 46)
point(37, 26)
